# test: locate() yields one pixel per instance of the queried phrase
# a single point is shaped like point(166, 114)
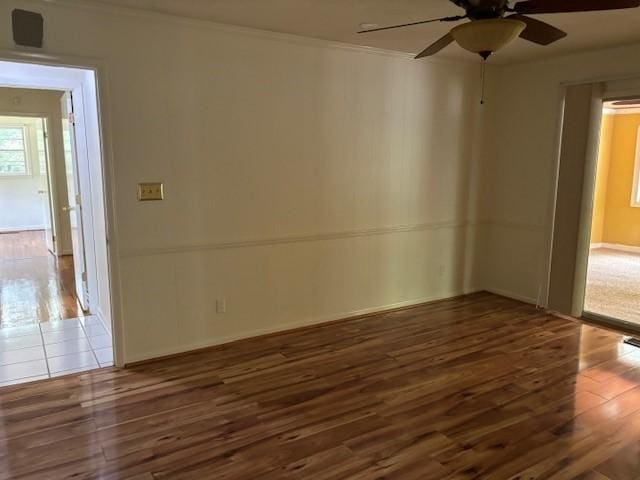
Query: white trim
point(145, 14)
point(145, 252)
point(594, 246)
point(99, 67)
point(621, 111)
point(21, 228)
point(512, 295)
point(617, 246)
point(100, 314)
point(585, 225)
point(633, 92)
point(601, 79)
point(189, 347)
point(550, 225)
point(635, 192)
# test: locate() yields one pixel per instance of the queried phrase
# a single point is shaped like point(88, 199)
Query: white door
point(43, 150)
point(74, 207)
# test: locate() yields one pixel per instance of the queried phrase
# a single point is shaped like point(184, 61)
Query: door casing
point(38, 67)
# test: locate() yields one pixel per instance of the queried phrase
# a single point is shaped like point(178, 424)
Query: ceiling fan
point(495, 23)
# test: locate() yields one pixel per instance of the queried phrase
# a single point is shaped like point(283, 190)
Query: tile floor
point(52, 349)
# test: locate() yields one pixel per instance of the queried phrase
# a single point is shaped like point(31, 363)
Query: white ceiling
point(339, 20)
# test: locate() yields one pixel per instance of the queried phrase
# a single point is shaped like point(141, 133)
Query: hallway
point(43, 331)
point(35, 286)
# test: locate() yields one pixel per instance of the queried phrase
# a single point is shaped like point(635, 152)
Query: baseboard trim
point(101, 317)
point(29, 228)
point(292, 326)
point(512, 295)
point(616, 246)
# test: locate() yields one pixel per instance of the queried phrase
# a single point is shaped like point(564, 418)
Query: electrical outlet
point(150, 191)
point(221, 306)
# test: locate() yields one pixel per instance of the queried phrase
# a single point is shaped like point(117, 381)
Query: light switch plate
point(150, 191)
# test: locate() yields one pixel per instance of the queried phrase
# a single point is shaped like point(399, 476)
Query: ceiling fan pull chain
point(482, 76)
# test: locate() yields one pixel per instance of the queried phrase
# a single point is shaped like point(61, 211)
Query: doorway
point(36, 280)
point(55, 289)
point(613, 274)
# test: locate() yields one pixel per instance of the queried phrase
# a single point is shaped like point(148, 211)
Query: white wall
point(21, 206)
point(304, 181)
point(519, 164)
point(46, 103)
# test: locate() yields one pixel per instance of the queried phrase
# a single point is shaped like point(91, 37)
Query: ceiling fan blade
point(564, 6)
point(436, 46)
point(539, 32)
point(444, 19)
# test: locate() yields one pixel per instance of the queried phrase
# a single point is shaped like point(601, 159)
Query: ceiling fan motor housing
point(484, 9)
point(485, 37)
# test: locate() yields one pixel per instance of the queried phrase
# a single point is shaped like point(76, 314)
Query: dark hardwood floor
point(475, 387)
point(35, 286)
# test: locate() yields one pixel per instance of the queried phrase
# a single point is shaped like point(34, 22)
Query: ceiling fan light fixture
point(485, 37)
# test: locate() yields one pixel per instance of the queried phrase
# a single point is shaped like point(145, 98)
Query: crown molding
point(560, 57)
point(96, 6)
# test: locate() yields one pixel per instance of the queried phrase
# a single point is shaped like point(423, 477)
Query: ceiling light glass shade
point(487, 36)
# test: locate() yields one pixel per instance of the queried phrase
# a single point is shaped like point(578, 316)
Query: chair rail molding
point(344, 234)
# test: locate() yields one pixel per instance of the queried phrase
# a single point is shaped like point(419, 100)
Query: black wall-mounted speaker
point(28, 28)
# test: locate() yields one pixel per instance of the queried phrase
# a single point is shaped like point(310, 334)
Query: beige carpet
point(613, 284)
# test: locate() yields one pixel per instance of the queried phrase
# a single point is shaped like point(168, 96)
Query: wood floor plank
point(477, 387)
point(623, 464)
point(35, 286)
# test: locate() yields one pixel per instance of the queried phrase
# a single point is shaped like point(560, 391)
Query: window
point(13, 152)
point(42, 149)
point(635, 195)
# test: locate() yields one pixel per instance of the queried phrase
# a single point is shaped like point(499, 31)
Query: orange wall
point(600, 200)
point(615, 220)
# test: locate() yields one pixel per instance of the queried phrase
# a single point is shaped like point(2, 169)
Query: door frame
point(51, 179)
point(51, 207)
point(615, 88)
point(99, 68)
point(617, 323)
point(573, 195)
